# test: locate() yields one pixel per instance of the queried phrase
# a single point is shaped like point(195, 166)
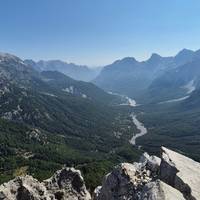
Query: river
point(142, 129)
point(140, 126)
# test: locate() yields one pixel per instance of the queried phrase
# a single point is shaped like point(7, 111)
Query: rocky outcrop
point(66, 184)
point(158, 190)
point(24, 188)
point(173, 177)
point(181, 172)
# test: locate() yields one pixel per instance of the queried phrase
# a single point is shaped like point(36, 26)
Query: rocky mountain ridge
point(171, 177)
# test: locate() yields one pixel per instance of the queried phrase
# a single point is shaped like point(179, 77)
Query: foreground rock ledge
point(181, 172)
point(173, 177)
point(65, 184)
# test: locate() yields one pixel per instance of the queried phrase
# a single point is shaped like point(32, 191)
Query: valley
point(139, 126)
point(48, 119)
point(99, 100)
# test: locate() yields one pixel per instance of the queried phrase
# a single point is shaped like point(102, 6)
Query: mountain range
point(157, 79)
point(78, 72)
point(51, 116)
point(167, 93)
point(48, 119)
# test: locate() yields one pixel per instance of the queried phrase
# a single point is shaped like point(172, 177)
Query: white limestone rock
point(24, 188)
point(181, 172)
point(159, 190)
point(173, 177)
point(65, 184)
point(131, 182)
point(124, 182)
point(68, 184)
point(151, 162)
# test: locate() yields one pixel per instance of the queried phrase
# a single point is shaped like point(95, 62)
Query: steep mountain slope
point(173, 124)
point(130, 77)
point(185, 56)
point(176, 83)
point(44, 123)
point(77, 88)
point(123, 76)
point(78, 72)
point(133, 78)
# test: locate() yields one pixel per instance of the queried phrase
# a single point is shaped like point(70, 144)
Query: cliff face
point(171, 177)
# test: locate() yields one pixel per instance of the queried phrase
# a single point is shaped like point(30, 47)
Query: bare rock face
point(173, 177)
point(151, 162)
point(127, 181)
point(120, 183)
point(66, 184)
point(24, 188)
point(181, 172)
point(159, 190)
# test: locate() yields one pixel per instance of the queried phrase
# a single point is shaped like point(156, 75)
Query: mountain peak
point(7, 56)
point(155, 56)
point(126, 60)
point(184, 52)
point(184, 56)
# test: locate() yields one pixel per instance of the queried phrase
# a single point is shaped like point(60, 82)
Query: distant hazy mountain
point(133, 78)
point(178, 82)
point(184, 56)
point(123, 76)
point(130, 77)
point(78, 72)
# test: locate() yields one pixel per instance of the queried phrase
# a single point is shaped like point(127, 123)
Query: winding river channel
point(139, 125)
point(142, 129)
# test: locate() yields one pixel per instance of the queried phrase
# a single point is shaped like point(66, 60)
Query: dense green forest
point(48, 120)
point(174, 125)
point(24, 152)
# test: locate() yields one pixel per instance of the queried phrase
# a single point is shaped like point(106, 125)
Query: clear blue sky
point(97, 32)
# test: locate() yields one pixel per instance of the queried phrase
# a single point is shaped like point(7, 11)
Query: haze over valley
point(99, 100)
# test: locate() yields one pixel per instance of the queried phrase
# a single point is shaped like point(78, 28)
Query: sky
point(98, 32)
